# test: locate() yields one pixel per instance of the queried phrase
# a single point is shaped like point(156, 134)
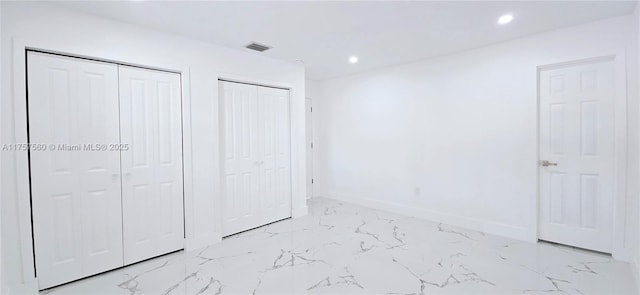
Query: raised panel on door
point(101, 185)
point(150, 114)
point(274, 154)
point(75, 192)
point(576, 133)
point(267, 169)
point(240, 185)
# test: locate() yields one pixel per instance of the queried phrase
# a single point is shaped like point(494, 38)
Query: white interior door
point(152, 195)
point(240, 183)
point(274, 154)
point(577, 141)
point(309, 136)
point(76, 203)
point(256, 166)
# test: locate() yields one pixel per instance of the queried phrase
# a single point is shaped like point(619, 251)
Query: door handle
point(546, 163)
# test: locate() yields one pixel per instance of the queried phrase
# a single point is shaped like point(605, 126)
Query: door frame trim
point(618, 57)
point(310, 194)
point(19, 128)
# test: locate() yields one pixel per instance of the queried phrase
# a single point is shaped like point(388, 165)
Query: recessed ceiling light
point(353, 59)
point(505, 19)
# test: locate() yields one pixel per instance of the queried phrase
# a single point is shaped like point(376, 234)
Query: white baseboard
point(28, 288)
point(635, 271)
point(489, 227)
point(299, 212)
point(622, 254)
point(201, 242)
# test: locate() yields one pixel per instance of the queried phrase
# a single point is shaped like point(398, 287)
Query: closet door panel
point(240, 164)
point(73, 108)
point(102, 204)
point(282, 153)
point(274, 154)
point(150, 111)
point(169, 176)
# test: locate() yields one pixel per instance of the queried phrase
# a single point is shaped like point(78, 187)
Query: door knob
point(546, 163)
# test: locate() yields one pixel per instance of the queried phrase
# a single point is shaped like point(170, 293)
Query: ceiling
point(324, 34)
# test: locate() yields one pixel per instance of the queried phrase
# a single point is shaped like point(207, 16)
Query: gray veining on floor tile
point(347, 249)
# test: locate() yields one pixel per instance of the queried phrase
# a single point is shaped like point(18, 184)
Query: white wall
point(454, 138)
point(635, 224)
point(89, 35)
point(312, 88)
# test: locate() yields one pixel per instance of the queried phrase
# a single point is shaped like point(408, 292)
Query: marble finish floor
point(347, 249)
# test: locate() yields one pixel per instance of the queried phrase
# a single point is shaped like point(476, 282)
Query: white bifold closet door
point(77, 217)
point(257, 159)
point(150, 123)
point(96, 210)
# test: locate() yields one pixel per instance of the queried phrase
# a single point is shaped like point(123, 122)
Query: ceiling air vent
point(257, 47)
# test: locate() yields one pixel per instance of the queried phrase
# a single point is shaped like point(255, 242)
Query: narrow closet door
point(274, 154)
point(240, 210)
point(77, 221)
point(152, 196)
